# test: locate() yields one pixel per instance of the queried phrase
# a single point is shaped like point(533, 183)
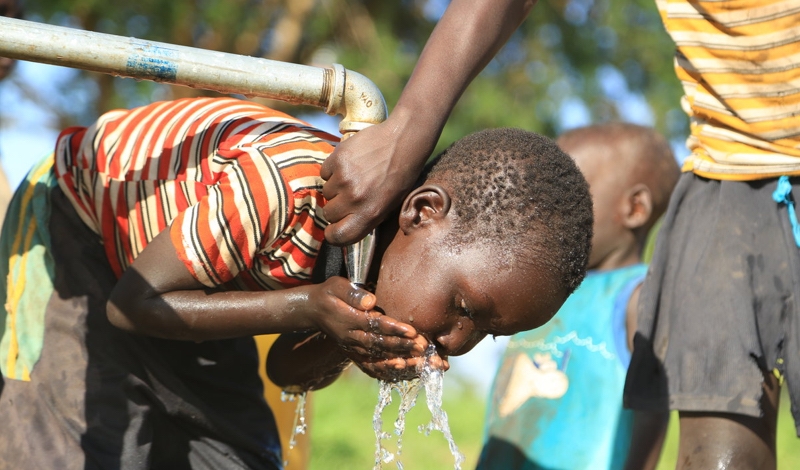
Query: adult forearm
point(467, 37)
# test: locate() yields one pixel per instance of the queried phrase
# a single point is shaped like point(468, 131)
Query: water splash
point(408, 390)
point(382, 454)
point(299, 425)
point(432, 379)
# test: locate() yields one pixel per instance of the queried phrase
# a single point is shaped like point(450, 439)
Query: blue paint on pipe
point(153, 62)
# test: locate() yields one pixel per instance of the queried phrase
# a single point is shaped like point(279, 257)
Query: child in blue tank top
point(556, 402)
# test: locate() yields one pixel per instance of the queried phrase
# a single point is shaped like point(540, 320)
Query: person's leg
point(731, 441)
point(719, 311)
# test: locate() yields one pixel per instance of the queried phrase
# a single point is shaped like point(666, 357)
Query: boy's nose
point(459, 338)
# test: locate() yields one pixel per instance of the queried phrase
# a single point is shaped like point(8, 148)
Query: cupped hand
point(345, 313)
point(369, 174)
point(398, 368)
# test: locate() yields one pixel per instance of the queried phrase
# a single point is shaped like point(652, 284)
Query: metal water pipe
point(334, 89)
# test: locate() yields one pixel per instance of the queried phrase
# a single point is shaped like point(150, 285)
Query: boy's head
point(631, 172)
point(11, 9)
point(492, 241)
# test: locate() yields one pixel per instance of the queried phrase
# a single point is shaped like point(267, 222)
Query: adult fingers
point(350, 229)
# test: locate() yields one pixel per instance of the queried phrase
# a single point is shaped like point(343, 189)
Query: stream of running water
point(432, 380)
point(299, 424)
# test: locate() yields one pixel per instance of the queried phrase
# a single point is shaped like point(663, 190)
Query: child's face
point(455, 296)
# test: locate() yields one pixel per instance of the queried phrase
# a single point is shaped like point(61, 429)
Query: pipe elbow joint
point(356, 98)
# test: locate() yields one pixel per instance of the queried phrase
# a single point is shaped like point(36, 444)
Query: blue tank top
point(556, 402)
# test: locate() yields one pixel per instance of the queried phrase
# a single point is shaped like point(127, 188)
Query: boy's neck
point(627, 255)
point(383, 237)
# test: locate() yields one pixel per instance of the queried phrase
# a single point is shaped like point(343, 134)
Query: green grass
point(342, 436)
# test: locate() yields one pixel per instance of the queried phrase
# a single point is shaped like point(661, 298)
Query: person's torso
point(739, 63)
point(557, 396)
point(240, 179)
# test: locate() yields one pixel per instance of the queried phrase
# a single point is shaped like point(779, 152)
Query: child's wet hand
point(346, 313)
point(398, 368)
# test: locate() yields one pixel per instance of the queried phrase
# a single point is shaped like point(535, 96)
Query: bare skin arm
point(157, 296)
point(649, 428)
point(391, 155)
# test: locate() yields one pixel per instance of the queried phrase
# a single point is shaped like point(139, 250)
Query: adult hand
point(369, 174)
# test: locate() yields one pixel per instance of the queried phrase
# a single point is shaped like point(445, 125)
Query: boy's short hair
point(519, 191)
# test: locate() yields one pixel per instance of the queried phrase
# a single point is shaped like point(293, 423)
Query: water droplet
point(459, 325)
point(299, 425)
point(373, 323)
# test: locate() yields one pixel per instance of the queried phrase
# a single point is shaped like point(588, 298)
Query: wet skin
point(157, 296)
point(455, 295)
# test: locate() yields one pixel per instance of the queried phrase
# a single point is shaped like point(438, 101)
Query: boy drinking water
point(145, 254)
point(557, 398)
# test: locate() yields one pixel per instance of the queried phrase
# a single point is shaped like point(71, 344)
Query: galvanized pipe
point(335, 89)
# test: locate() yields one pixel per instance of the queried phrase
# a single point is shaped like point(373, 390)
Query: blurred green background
point(573, 62)
point(342, 436)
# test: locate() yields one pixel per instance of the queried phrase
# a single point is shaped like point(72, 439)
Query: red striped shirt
point(238, 184)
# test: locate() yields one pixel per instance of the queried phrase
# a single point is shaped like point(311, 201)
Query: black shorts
point(718, 309)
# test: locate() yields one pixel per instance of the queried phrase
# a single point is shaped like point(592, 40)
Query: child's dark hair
point(519, 191)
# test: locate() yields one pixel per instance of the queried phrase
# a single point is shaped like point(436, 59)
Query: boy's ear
point(637, 207)
point(427, 203)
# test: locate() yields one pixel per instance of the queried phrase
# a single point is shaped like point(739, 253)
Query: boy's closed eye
point(466, 311)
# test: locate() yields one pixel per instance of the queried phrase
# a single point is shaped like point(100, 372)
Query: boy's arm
point(631, 316)
point(649, 428)
point(157, 296)
point(369, 174)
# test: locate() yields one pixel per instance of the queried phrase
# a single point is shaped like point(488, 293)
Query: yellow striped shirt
point(739, 63)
